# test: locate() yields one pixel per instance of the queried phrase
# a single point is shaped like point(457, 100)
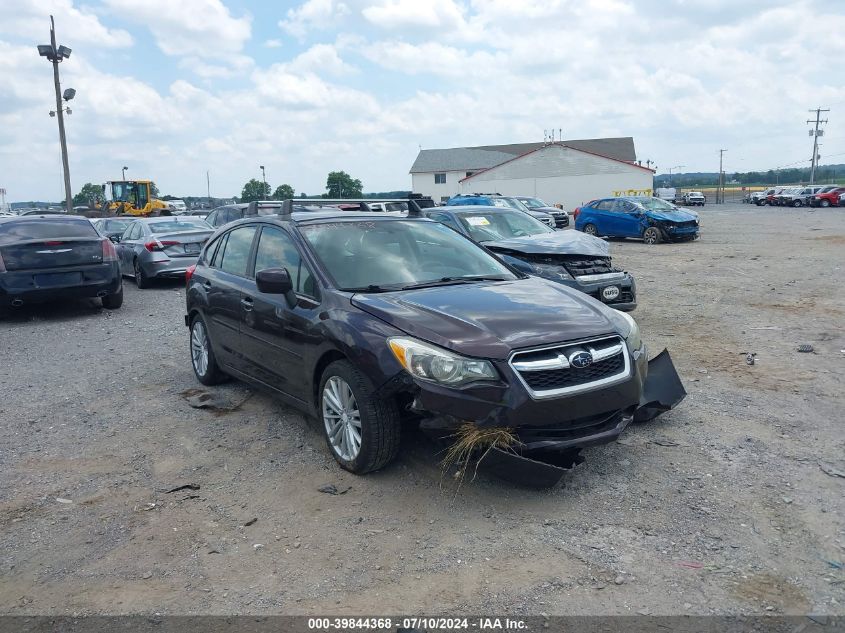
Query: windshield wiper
point(370, 288)
point(447, 281)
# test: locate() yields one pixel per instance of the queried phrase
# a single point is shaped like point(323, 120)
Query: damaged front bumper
point(548, 447)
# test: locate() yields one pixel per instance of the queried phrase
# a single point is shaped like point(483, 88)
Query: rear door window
point(235, 256)
point(603, 205)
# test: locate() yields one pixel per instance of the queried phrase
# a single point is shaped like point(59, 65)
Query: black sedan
point(47, 257)
point(361, 318)
point(568, 257)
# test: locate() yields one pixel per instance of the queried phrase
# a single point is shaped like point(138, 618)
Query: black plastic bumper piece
point(662, 390)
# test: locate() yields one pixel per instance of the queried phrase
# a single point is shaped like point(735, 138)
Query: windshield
point(500, 225)
point(52, 229)
point(182, 225)
point(533, 203)
point(391, 254)
point(116, 225)
point(655, 204)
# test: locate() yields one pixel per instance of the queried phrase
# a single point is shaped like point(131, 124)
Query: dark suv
point(363, 319)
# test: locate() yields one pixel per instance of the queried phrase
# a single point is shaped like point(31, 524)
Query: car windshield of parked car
point(533, 203)
point(655, 204)
point(52, 229)
point(500, 225)
point(116, 225)
point(182, 225)
point(393, 254)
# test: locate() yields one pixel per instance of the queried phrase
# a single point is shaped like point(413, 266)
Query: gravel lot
point(721, 506)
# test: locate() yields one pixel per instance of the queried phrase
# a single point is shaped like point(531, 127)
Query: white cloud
point(432, 14)
point(321, 59)
point(31, 19)
point(198, 28)
point(313, 14)
point(273, 43)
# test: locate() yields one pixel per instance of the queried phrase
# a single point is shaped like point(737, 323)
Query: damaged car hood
point(557, 243)
point(672, 216)
point(490, 318)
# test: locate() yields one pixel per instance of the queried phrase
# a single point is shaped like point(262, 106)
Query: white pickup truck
point(694, 198)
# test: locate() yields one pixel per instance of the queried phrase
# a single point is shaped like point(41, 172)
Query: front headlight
point(628, 328)
point(436, 364)
point(552, 271)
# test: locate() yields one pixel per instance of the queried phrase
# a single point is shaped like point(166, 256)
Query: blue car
point(650, 219)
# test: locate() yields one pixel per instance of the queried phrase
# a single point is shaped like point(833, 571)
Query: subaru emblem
point(580, 360)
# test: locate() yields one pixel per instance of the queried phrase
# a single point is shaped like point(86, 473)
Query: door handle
point(246, 302)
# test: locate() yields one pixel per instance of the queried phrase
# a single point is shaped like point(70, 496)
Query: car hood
point(671, 216)
point(491, 319)
point(549, 210)
point(537, 214)
point(557, 243)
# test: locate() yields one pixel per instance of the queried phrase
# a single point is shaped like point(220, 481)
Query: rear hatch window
point(49, 243)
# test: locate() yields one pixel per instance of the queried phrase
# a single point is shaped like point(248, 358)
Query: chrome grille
point(549, 372)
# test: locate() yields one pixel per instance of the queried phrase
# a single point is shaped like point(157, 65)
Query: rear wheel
point(141, 279)
point(362, 430)
point(202, 355)
point(824, 202)
point(796, 203)
point(590, 229)
point(114, 300)
point(652, 235)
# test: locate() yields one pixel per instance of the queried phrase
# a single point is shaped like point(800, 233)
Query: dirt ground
point(729, 504)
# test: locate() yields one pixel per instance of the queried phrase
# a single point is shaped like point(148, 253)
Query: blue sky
point(175, 89)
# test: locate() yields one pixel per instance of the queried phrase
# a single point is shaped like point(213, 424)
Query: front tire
point(203, 360)
point(824, 203)
point(113, 301)
point(590, 229)
point(796, 204)
point(361, 429)
point(652, 235)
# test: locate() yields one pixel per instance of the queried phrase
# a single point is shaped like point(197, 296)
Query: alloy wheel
point(590, 230)
point(199, 348)
point(342, 418)
point(650, 236)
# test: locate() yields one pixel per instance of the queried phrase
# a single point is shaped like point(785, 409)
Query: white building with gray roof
point(566, 172)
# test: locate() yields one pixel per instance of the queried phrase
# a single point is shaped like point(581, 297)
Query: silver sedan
point(161, 247)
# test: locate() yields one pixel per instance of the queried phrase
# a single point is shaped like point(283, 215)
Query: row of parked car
point(370, 320)
point(791, 196)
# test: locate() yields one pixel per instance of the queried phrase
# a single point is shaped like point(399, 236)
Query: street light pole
point(55, 58)
point(264, 178)
point(123, 171)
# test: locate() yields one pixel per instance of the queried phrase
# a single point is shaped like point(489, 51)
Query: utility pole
point(720, 192)
point(55, 55)
point(816, 133)
point(264, 178)
point(208, 186)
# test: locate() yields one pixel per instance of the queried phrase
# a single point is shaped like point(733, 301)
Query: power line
point(815, 134)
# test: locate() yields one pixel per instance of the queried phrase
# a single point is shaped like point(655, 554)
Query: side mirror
point(276, 281)
point(115, 238)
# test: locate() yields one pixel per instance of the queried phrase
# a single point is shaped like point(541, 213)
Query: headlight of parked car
point(628, 328)
point(552, 271)
point(436, 364)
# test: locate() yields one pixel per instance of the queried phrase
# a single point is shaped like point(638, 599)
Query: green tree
point(255, 190)
point(339, 184)
point(89, 194)
point(154, 192)
point(283, 192)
